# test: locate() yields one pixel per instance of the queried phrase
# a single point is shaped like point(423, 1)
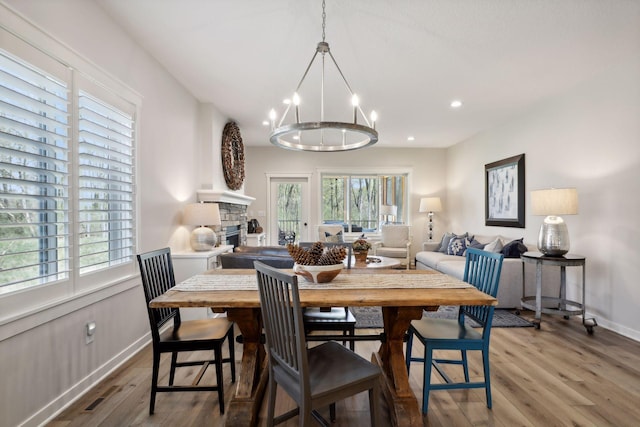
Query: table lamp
point(430, 205)
point(388, 211)
point(553, 239)
point(202, 214)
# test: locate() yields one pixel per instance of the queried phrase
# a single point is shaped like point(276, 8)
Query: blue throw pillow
point(333, 238)
point(473, 243)
point(457, 246)
point(446, 239)
point(514, 249)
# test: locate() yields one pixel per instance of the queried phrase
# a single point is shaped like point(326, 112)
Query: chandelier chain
point(324, 18)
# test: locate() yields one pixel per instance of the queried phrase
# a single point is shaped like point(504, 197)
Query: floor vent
point(94, 404)
point(99, 400)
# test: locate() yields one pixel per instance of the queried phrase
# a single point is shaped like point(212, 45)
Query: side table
point(189, 263)
point(552, 305)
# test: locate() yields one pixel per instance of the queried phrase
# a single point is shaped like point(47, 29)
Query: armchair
point(395, 242)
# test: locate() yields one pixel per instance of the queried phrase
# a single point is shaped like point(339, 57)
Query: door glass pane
point(289, 212)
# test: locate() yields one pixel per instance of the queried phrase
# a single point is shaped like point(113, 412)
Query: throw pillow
point(444, 242)
point(446, 239)
point(457, 246)
point(333, 238)
point(514, 249)
point(495, 246)
point(473, 243)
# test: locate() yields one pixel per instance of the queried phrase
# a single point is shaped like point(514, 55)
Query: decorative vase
point(361, 257)
point(318, 273)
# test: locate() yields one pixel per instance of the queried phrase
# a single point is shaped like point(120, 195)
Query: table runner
point(248, 282)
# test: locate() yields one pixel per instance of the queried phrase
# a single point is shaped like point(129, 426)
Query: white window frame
point(27, 308)
point(371, 170)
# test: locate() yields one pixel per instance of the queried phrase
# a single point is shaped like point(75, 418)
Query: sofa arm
point(430, 246)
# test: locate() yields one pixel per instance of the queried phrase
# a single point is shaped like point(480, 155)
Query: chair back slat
point(482, 270)
point(282, 319)
point(156, 272)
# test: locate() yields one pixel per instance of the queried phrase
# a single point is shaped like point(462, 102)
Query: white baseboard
point(68, 397)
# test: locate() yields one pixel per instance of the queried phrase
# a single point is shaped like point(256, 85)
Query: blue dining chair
point(482, 270)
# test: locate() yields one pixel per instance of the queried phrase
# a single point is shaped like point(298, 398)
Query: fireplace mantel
point(225, 197)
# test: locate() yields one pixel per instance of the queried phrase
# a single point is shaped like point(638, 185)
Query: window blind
point(105, 186)
point(34, 176)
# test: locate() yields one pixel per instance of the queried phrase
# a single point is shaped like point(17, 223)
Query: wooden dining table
point(402, 294)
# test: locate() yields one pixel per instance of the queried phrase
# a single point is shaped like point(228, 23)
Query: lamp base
point(553, 239)
point(203, 239)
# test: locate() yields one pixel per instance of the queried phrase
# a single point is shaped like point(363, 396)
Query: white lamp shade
point(202, 214)
point(430, 204)
point(388, 210)
point(554, 201)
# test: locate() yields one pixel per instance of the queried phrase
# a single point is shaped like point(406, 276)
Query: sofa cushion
point(395, 236)
point(263, 250)
point(514, 249)
point(333, 238)
point(452, 268)
point(457, 246)
point(431, 259)
point(494, 246)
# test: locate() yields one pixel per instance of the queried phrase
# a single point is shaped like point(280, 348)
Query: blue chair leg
point(407, 357)
point(465, 366)
point(487, 376)
point(426, 381)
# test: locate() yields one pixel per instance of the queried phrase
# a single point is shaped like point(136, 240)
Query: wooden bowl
point(318, 273)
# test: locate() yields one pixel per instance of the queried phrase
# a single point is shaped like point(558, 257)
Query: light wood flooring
point(555, 376)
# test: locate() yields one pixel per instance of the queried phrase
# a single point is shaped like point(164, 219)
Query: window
point(34, 176)
point(60, 191)
point(354, 200)
point(105, 203)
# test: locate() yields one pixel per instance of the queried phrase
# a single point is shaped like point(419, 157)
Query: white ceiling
point(406, 59)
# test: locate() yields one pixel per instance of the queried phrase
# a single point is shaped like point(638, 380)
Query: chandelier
point(322, 134)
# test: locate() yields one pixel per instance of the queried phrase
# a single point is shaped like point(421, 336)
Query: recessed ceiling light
point(265, 123)
point(411, 138)
point(456, 103)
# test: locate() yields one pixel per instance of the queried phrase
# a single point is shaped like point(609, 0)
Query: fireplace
point(233, 215)
point(232, 235)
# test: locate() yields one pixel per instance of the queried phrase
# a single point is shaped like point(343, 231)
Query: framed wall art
point(504, 192)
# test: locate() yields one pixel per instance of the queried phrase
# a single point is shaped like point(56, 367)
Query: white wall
point(427, 176)
point(45, 361)
point(589, 139)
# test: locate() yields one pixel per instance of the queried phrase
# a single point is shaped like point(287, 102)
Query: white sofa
point(510, 287)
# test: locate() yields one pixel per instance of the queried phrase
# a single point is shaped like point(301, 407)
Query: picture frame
point(505, 192)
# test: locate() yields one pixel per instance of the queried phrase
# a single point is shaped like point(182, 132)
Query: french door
point(288, 214)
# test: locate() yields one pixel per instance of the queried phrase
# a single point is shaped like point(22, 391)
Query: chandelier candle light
point(322, 135)
point(553, 239)
point(202, 214)
point(430, 205)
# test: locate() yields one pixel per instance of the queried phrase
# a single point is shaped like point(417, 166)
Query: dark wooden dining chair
point(482, 270)
point(156, 271)
point(330, 318)
point(316, 377)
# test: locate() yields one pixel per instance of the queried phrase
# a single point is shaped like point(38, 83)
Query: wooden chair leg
point(172, 372)
point(219, 377)
point(154, 381)
point(232, 355)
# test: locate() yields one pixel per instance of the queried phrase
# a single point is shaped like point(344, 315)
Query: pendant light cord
point(324, 18)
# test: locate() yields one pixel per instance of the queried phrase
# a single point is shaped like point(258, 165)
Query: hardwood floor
point(555, 376)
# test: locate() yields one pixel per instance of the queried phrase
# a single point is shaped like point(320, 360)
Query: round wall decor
point(232, 156)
